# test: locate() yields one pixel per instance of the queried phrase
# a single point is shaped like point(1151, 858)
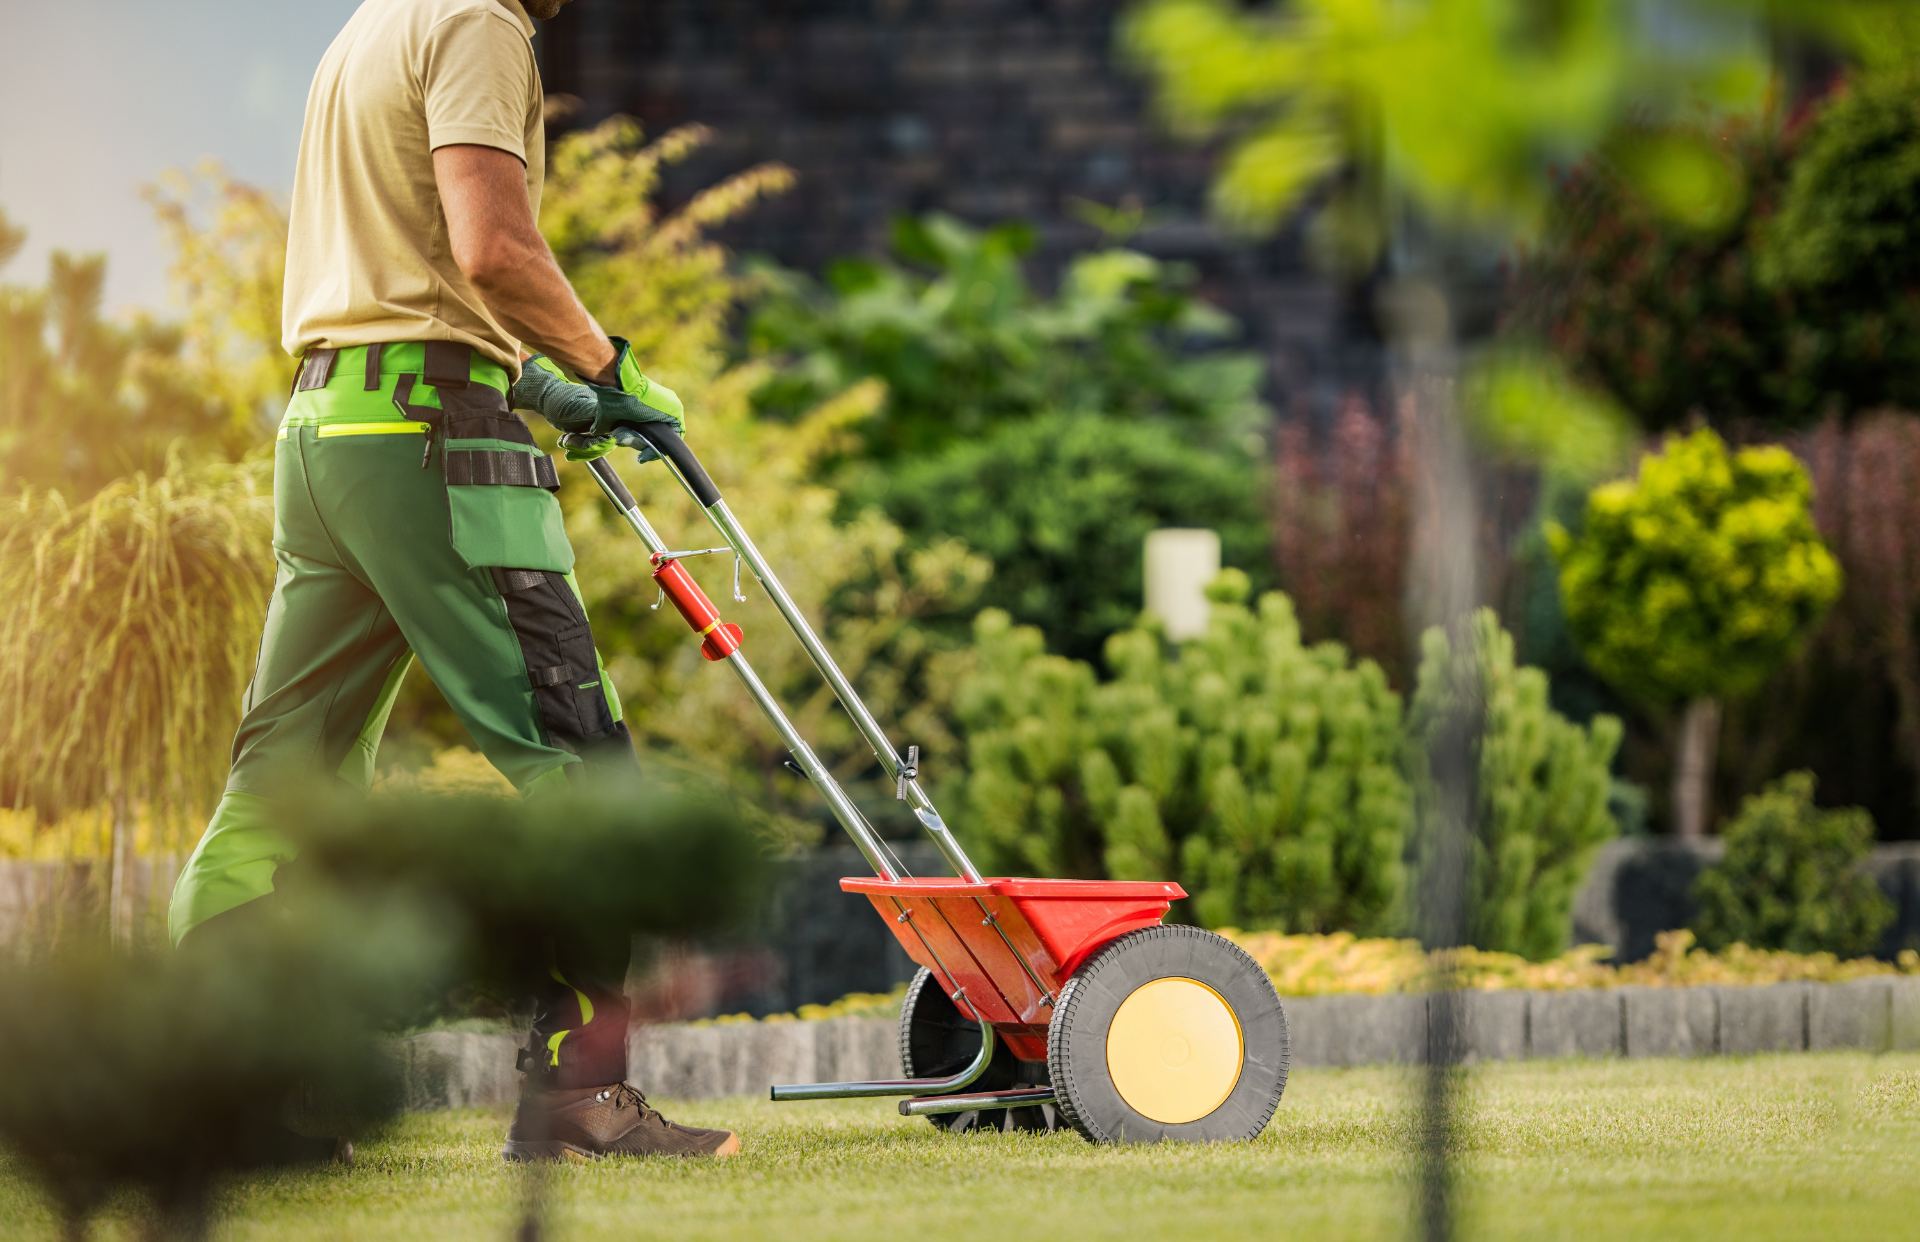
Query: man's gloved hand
point(596, 409)
point(545, 390)
point(633, 398)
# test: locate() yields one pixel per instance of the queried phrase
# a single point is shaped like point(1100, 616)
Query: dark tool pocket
point(500, 501)
point(558, 646)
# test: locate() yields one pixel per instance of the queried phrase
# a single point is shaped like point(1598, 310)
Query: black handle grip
point(671, 445)
point(603, 470)
point(615, 485)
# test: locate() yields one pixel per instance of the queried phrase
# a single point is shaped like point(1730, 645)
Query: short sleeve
point(479, 83)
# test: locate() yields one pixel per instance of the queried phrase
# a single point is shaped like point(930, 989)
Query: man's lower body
point(414, 519)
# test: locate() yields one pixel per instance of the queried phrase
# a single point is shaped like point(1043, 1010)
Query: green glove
point(545, 390)
point(635, 399)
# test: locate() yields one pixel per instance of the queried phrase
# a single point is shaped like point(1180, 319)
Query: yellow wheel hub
point(1174, 1050)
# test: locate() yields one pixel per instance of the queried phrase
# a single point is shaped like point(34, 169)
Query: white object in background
point(1180, 563)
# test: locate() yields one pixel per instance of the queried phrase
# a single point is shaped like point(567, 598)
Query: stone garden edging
point(463, 1069)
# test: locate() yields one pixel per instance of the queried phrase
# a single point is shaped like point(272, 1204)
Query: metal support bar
point(893, 1086)
point(878, 856)
point(884, 864)
point(1017, 1097)
point(681, 556)
point(890, 762)
point(989, 919)
point(616, 491)
point(904, 775)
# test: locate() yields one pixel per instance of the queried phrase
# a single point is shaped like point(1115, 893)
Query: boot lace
point(624, 1096)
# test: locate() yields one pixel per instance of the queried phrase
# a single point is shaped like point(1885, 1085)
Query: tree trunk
point(1693, 769)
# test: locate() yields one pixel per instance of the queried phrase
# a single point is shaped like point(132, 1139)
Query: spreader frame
point(1002, 948)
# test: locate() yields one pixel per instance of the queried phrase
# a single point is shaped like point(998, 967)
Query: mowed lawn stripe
point(1758, 1148)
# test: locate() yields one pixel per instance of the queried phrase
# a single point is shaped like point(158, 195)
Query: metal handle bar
point(672, 448)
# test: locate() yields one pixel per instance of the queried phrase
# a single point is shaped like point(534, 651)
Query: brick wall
point(987, 109)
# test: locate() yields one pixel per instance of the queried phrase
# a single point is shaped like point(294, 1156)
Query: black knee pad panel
point(557, 644)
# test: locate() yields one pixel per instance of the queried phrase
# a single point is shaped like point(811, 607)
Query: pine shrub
point(1793, 877)
point(1540, 790)
point(1259, 772)
point(1841, 249)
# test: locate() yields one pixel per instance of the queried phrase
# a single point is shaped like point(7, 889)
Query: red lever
point(718, 639)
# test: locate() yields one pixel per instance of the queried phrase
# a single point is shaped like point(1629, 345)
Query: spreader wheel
point(1168, 1033)
point(937, 1040)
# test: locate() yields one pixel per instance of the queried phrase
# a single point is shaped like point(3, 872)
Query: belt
point(444, 364)
point(448, 366)
point(485, 444)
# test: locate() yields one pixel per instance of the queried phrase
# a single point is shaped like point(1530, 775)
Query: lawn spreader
point(1038, 1001)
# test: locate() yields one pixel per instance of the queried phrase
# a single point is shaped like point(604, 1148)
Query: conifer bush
point(1793, 877)
point(1261, 773)
point(1840, 249)
point(1540, 806)
point(1702, 575)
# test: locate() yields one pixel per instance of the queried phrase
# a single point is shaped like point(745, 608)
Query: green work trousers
point(413, 518)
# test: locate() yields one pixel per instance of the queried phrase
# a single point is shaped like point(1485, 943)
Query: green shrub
point(1540, 794)
point(1672, 320)
point(1026, 718)
point(1845, 247)
point(1793, 877)
point(944, 363)
point(1260, 773)
point(964, 344)
point(1062, 504)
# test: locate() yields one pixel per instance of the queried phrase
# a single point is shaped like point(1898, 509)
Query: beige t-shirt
point(367, 253)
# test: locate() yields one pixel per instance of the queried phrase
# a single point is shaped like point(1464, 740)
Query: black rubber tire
point(1077, 1039)
point(937, 1040)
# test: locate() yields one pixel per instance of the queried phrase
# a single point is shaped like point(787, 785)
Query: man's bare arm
point(497, 243)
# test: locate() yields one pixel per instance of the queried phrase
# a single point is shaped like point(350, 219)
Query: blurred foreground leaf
point(1525, 405)
point(168, 1073)
point(1457, 108)
point(610, 852)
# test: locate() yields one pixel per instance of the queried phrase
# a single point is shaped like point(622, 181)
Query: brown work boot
point(590, 1122)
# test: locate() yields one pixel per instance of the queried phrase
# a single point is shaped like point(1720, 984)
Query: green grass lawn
point(1806, 1146)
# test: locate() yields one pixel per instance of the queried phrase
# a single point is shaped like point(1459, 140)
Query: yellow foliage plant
point(1341, 964)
